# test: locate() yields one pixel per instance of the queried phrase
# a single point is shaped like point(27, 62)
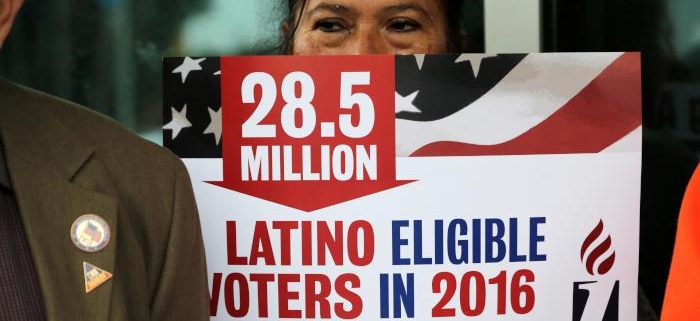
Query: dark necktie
point(20, 296)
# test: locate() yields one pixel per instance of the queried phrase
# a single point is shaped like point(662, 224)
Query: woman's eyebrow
point(330, 7)
point(395, 9)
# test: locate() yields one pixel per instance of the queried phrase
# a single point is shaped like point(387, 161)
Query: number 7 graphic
point(591, 302)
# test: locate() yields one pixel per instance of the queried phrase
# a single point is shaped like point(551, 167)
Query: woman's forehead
point(430, 7)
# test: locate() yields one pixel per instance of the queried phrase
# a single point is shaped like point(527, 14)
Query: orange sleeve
point(681, 301)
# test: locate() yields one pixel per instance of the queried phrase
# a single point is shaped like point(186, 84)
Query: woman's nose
point(368, 41)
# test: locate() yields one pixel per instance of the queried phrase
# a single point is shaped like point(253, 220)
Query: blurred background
point(106, 54)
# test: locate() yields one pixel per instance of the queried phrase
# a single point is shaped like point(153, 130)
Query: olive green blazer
point(65, 161)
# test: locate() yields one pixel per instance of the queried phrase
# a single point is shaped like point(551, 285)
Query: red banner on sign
point(309, 132)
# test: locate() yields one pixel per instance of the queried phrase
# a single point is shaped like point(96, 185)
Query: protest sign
point(413, 187)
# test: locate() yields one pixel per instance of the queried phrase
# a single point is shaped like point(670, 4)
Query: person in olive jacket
point(95, 222)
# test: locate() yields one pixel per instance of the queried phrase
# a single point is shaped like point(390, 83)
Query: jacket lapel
point(56, 179)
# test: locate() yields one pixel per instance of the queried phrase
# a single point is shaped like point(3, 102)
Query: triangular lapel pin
point(94, 276)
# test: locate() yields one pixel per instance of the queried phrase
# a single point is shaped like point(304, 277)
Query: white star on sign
point(187, 66)
point(178, 122)
point(474, 60)
point(405, 103)
point(217, 73)
point(215, 124)
point(420, 58)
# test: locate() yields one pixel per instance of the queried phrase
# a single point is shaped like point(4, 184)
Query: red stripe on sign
point(603, 112)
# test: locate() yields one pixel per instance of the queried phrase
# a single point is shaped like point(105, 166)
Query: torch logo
point(597, 299)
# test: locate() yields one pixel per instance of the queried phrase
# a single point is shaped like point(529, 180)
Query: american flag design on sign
point(515, 104)
point(456, 105)
point(192, 107)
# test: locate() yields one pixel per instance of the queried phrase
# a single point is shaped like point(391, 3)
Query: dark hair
point(453, 13)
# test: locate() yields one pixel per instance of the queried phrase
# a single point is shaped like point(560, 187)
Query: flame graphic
point(595, 255)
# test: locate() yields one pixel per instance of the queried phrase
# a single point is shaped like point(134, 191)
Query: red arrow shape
point(276, 95)
point(310, 196)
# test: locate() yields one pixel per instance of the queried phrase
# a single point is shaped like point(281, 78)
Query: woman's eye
point(403, 25)
point(329, 26)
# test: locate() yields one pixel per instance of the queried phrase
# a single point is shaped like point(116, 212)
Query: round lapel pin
point(90, 233)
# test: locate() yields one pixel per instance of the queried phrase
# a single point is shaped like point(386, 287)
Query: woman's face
point(371, 27)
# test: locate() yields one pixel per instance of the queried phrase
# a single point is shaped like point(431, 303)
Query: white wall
point(512, 26)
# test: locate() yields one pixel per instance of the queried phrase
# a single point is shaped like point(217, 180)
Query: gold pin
point(94, 276)
point(90, 233)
